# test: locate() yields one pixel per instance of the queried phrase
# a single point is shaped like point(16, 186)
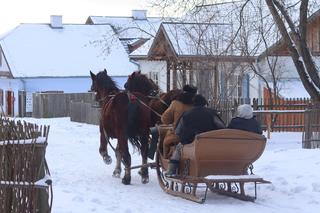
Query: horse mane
point(138, 82)
point(106, 82)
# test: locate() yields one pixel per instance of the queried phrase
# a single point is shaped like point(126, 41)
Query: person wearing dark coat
point(197, 120)
point(245, 120)
point(192, 122)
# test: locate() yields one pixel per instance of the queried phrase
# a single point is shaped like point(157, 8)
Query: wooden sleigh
point(217, 160)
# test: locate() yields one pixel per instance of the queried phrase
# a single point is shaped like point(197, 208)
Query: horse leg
point(103, 147)
point(124, 150)
point(144, 154)
point(117, 169)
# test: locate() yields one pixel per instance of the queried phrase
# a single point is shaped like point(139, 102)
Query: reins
point(162, 101)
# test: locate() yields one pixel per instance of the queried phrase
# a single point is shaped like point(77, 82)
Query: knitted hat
point(190, 89)
point(245, 111)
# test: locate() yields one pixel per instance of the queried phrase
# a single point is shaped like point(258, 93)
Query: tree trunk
point(302, 59)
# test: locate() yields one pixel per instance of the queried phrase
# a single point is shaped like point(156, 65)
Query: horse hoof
point(107, 159)
point(116, 173)
point(126, 180)
point(145, 180)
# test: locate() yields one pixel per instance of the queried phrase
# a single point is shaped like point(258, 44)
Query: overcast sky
point(14, 12)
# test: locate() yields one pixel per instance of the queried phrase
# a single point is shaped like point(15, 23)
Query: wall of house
point(31, 85)
point(13, 85)
point(159, 67)
point(67, 85)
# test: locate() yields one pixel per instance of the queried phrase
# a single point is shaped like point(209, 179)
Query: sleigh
point(217, 161)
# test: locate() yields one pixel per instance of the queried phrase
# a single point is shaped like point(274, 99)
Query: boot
point(172, 168)
point(154, 141)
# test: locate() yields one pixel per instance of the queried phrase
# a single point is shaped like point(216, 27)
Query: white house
point(58, 57)
point(176, 57)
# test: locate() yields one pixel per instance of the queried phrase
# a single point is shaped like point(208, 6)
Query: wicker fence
point(25, 183)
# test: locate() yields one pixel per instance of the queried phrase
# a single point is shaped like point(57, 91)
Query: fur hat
point(190, 89)
point(199, 100)
point(245, 111)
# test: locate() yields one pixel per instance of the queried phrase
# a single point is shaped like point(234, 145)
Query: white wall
point(284, 65)
point(155, 66)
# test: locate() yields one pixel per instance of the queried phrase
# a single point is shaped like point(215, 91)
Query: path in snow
point(82, 183)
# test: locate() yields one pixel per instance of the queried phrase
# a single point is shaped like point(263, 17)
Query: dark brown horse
point(124, 116)
point(138, 82)
point(158, 102)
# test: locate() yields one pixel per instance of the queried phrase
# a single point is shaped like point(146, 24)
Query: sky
point(14, 12)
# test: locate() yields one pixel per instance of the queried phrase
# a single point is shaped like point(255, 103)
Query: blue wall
point(68, 85)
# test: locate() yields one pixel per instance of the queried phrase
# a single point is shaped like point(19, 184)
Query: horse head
point(102, 85)
point(138, 82)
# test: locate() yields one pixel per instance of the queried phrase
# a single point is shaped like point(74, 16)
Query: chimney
point(56, 21)
point(139, 14)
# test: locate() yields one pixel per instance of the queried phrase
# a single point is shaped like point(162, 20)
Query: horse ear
point(105, 71)
point(93, 76)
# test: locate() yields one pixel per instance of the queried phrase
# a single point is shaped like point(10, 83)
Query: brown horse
point(138, 82)
point(124, 115)
point(158, 102)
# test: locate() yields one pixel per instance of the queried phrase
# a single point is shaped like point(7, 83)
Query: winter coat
point(173, 113)
point(251, 125)
point(197, 120)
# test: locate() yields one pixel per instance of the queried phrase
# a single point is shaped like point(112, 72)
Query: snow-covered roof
point(143, 50)
point(198, 38)
point(38, 50)
point(292, 89)
point(128, 27)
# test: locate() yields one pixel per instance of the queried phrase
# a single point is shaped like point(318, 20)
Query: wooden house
point(194, 53)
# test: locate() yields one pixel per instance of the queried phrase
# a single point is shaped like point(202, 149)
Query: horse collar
point(131, 97)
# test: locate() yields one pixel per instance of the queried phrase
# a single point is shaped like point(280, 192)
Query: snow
point(70, 51)
point(198, 38)
point(293, 89)
point(38, 140)
point(83, 183)
point(127, 27)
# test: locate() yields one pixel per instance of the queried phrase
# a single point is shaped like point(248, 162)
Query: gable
point(4, 68)
point(161, 47)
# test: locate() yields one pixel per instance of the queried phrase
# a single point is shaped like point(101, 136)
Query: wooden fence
point(25, 183)
point(84, 112)
point(50, 105)
point(311, 135)
point(283, 115)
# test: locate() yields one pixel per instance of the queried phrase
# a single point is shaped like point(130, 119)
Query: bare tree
point(295, 37)
point(296, 40)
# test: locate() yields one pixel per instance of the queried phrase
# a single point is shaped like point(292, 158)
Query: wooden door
point(10, 103)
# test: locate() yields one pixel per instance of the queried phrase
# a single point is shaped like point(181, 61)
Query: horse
point(119, 119)
point(138, 82)
point(158, 102)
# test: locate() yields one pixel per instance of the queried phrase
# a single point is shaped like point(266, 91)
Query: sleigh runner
point(216, 160)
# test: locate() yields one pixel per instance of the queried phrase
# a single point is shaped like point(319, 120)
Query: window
point(155, 77)
point(235, 86)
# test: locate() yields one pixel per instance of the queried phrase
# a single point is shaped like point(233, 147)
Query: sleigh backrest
point(222, 152)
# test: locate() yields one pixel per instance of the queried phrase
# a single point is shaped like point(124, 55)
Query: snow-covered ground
point(82, 183)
